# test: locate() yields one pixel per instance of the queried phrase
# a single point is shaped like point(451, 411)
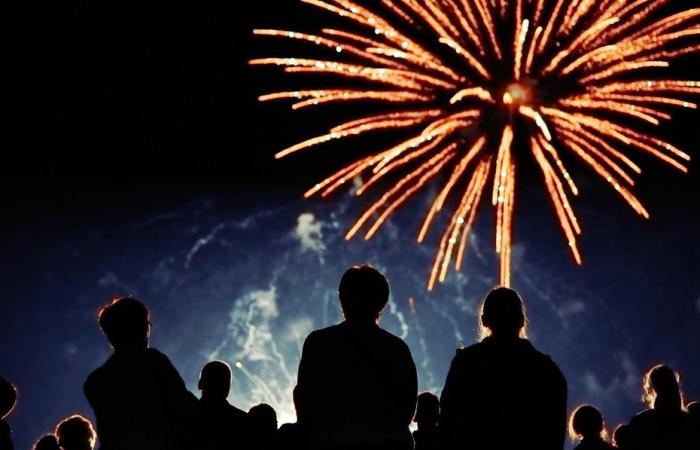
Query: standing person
point(487, 380)
point(139, 399)
point(666, 424)
point(357, 385)
point(223, 426)
point(262, 419)
point(8, 399)
point(427, 415)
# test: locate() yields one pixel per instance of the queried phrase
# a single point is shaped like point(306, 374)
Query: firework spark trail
point(577, 85)
point(403, 325)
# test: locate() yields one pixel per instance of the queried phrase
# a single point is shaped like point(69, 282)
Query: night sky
point(134, 159)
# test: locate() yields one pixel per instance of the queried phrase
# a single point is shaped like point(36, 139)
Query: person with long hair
point(488, 379)
point(665, 424)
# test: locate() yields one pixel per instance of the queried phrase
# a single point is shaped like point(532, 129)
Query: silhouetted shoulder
point(5, 436)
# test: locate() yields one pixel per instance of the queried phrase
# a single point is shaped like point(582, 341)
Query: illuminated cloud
point(309, 232)
point(625, 382)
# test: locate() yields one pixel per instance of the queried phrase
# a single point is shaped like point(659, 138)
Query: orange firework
point(471, 81)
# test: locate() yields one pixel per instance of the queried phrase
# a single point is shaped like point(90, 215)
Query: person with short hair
point(223, 426)
point(587, 426)
point(262, 419)
point(139, 398)
point(488, 379)
point(75, 433)
point(357, 383)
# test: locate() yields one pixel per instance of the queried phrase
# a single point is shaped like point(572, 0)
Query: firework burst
point(485, 80)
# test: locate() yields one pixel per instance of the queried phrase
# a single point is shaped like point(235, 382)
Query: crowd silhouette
point(357, 389)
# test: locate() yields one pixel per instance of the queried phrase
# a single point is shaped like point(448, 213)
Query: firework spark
point(478, 84)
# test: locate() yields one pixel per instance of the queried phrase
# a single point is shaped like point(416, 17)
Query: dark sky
point(128, 98)
point(128, 108)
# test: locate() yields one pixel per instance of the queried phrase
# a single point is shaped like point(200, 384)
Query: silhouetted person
point(262, 420)
point(289, 436)
point(694, 411)
point(48, 442)
point(427, 416)
point(223, 425)
point(622, 437)
point(357, 386)
point(139, 399)
point(586, 425)
point(487, 379)
point(666, 424)
point(8, 399)
point(75, 433)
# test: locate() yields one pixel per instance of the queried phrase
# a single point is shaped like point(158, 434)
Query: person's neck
point(213, 398)
point(130, 349)
point(362, 323)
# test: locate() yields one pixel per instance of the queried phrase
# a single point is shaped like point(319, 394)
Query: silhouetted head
point(8, 398)
point(662, 389)
point(126, 323)
point(694, 411)
point(502, 314)
point(47, 442)
point(427, 409)
point(621, 436)
point(586, 422)
point(363, 293)
point(215, 380)
point(75, 433)
point(263, 419)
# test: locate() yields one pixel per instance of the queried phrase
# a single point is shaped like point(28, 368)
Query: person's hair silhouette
point(126, 323)
point(139, 399)
point(8, 399)
point(486, 379)
point(48, 442)
point(662, 388)
point(503, 314)
point(215, 380)
point(363, 293)
point(223, 425)
point(357, 384)
point(427, 416)
point(75, 433)
point(586, 425)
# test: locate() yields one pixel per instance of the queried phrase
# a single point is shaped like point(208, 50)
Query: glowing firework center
point(588, 58)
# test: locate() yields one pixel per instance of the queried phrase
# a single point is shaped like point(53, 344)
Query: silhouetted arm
point(409, 393)
point(556, 409)
point(181, 403)
point(307, 380)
